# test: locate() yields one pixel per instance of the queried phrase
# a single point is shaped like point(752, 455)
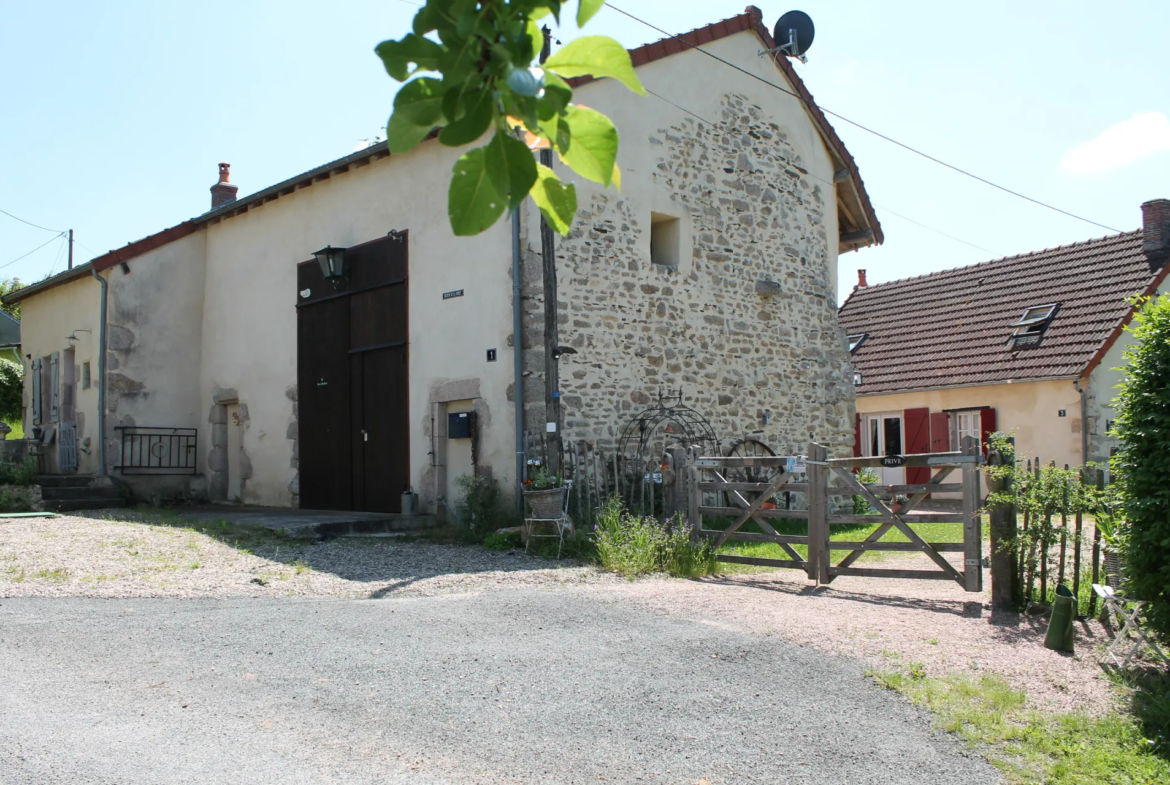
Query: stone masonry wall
point(738, 349)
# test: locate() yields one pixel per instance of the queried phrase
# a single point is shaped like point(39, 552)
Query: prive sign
point(893, 460)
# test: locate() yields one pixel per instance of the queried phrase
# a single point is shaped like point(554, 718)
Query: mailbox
point(459, 425)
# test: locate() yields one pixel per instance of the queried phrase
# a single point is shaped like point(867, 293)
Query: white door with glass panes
point(884, 437)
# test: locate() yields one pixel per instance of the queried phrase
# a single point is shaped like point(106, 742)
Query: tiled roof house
point(1029, 344)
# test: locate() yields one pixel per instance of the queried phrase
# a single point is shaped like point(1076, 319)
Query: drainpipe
point(517, 360)
point(101, 423)
point(1084, 422)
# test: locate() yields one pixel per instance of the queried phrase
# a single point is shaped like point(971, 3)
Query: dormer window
point(1031, 326)
point(855, 342)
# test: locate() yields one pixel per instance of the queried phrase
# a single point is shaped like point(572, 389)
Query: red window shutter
point(986, 427)
point(916, 423)
point(940, 432)
point(857, 437)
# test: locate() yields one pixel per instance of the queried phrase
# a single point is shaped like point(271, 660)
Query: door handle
point(365, 435)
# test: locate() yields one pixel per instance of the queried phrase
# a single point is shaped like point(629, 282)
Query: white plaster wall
point(154, 342)
point(249, 316)
point(45, 321)
point(1102, 388)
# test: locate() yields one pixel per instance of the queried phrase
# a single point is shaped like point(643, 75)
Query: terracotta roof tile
point(951, 328)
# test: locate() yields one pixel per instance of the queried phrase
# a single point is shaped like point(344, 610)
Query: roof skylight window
point(1031, 326)
point(855, 342)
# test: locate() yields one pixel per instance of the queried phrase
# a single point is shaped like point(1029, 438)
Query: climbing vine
point(468, 67)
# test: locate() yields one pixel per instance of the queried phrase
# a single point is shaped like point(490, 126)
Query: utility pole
point(552, 395)
point(70, 249)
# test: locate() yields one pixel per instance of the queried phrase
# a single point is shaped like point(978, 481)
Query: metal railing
point(148, 450)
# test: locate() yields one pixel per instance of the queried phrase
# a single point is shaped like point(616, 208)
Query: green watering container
point(1060, 624)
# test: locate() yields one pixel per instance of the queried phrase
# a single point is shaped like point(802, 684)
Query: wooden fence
point(814, 476)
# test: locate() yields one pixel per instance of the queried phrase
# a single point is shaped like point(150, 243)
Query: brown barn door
point(323, 405)
point(381, 440)
point(358, 332)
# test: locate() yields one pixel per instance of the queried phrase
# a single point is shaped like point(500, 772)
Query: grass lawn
point(1032, 747)
point(17, 427)
point(931, 532)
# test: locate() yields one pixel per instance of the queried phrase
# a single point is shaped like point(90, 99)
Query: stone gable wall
point(737, 347)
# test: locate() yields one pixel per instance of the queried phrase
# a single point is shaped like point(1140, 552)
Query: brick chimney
point(861, 283)
point(1156, 231)
point(223, 192)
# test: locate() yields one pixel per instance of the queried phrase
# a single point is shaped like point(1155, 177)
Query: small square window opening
point(665, 239)
point(85, 375)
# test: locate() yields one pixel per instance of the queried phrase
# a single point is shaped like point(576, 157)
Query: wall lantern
point(332, 261)
point(857, 378)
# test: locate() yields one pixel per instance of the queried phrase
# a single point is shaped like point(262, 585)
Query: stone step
point(68, 493)
point(69, 505)
point(64, 480)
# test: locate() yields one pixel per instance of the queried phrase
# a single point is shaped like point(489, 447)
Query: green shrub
point(11, 501)
point(503, 541)
point(633, 545)
point(11, 390)
point(482, 508)
point(23, 473)
point(1142, 464)
point(861, 505)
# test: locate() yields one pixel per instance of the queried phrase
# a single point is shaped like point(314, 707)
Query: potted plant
point(545, 494)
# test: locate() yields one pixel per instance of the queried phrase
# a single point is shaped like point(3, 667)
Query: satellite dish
point(794, 33)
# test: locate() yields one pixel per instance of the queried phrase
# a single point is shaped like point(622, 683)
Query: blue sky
point(115, 115)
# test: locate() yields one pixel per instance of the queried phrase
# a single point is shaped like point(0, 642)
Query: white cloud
point(1142, 135)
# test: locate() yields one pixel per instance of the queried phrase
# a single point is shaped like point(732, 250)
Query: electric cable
point(30, 253)
point(30, 223)
point(858, 125)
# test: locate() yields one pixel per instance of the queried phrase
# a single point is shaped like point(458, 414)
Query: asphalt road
point(516, 687)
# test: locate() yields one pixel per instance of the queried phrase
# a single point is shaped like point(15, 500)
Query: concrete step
point(64, 480)
point(68, 493)
point(69, 505)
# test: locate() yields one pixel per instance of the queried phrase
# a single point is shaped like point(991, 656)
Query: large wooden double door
point(352, 383)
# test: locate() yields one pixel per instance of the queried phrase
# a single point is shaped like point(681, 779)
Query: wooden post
point(1077, 524)
point(972, 534)
point(678, 463)
point(694, 496)
point(1005, 577)
point(1096, 554)
point(818, 525)
point(1063, 530)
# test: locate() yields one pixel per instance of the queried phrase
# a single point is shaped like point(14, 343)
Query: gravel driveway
point(529, 686)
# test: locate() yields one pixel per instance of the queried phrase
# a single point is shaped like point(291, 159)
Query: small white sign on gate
point(796, 465)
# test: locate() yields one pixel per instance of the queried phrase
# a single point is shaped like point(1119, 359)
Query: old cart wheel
point(749, 448)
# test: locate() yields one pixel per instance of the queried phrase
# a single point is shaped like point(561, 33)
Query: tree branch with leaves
point(469, 67)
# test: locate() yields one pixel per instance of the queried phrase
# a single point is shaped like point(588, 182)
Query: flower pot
point(549, 503)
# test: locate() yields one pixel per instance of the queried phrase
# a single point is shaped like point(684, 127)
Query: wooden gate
point(818, 479)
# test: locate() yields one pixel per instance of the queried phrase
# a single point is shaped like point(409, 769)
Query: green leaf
point(404, 136)
point(586, 9)
point(556, 97)
point(535, 36)
point(473, 203)
point(477, 116)
point(420, 102)
point(597, 56)
point(593, 144)
point(556, 200)
point(398, 56)
point(511, 168)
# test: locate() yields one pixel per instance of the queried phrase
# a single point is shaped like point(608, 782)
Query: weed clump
point(633, 545)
